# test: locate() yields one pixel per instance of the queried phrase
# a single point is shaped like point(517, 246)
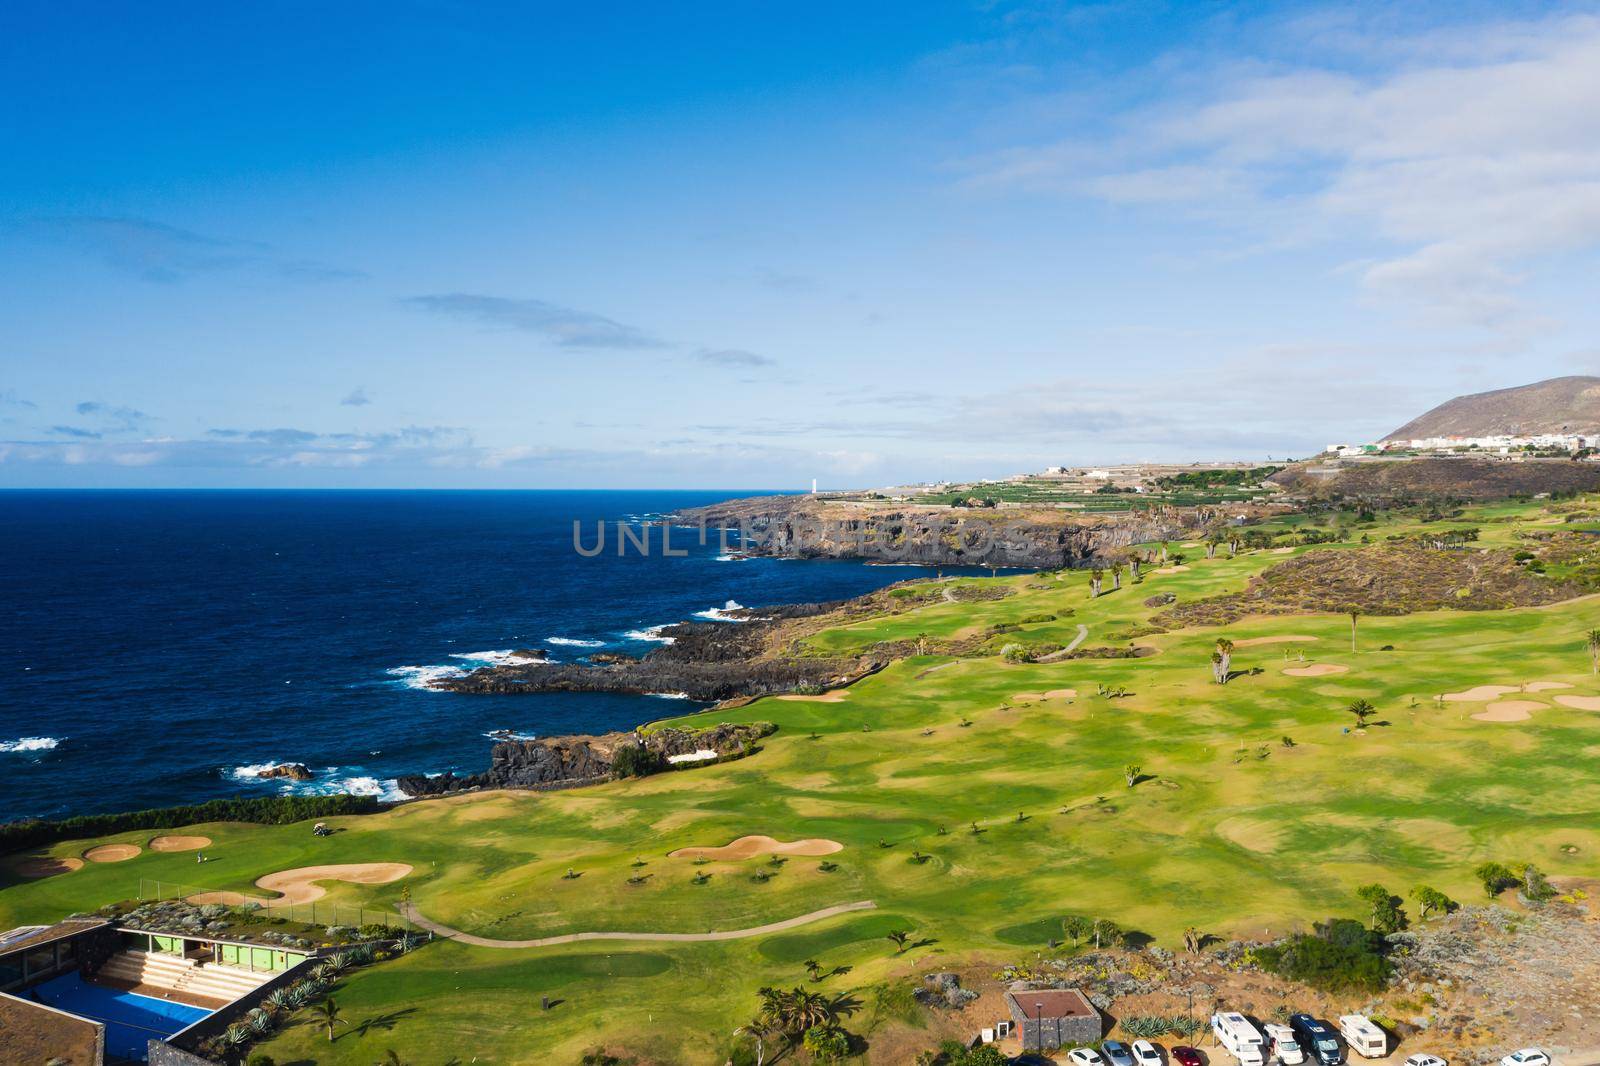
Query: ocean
point(158, 648)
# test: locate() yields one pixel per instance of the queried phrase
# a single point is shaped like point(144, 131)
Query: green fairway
point(971, 810)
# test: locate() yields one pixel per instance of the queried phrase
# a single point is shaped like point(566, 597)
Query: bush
point(261, 810)
point(631, 760)
point(1341, 956)
point(826, 1043)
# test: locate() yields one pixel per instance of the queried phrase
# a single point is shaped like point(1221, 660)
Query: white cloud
point(1468, 157)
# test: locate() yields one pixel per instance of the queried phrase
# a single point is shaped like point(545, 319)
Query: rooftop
point(1028, 1004)
point(36, 1033)
point(32, 937)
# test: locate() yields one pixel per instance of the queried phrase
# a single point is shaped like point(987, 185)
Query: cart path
point(1083, 635)
point(411, 912)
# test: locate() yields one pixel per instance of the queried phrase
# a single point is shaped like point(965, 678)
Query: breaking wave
point(30, 744)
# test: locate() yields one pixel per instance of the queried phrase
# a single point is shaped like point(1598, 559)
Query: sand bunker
point(750, 847)
point(1316, 670)
point(1281, 551)
point(37, 866)
point(1509, 711)
point(1494, 692)
point(1169, 569)
point(1580, 703)
point(1481, 692)
point(112, 852)
point(300, 886)
point(180, 843)
point(1251, 642)
point(826, 697)
point(1053, 694)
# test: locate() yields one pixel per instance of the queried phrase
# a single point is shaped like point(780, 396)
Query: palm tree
point(1354, 613)
point(1362, 710)
point(901, 938)
point(1222, 660)
point(814, 968)
point(757, 1029)
point(1132, 772)
point(1593, 637)
point(1191, 940)
point(1116, 576)
point(328, 1013)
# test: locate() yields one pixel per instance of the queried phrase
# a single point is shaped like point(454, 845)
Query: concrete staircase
point(170, 972)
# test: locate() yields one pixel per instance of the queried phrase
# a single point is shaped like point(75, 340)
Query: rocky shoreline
point(564, 762)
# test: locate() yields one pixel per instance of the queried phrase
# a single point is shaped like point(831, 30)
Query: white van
point(1282, 1045)
point(1242, 1039)
point(1364, 1036)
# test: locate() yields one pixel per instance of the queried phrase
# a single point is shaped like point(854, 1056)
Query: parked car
point(1528, 1056)
point(1317, 1039)
point(1422, 1058)
point(1184, 1055)
point(1085, 1056)
point(1145, 1054)
point(1117, 1053)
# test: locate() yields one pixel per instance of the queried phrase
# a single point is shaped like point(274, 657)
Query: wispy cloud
point(158, 252)
point(1466, 156)
point(565, 327)
point(113, 418)
point(9, 398)
point(356, 398)
point(77, 431)
point(735, 358)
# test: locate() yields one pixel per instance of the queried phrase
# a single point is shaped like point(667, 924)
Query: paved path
point(1083, 635)
point(411, 912)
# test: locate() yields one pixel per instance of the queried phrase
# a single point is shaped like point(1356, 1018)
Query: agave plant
point(281, 998)
point(259, 1022)
point(234, 1037)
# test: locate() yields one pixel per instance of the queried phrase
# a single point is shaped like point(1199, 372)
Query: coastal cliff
point(1037, 538)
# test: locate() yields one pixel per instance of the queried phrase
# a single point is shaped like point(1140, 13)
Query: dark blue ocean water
point(155, 645)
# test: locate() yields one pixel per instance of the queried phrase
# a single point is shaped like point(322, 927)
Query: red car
point(1184, 1055)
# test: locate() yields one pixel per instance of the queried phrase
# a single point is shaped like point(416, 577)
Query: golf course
point(968, 801)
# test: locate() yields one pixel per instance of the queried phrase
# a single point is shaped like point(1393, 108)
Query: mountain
point(1559, 405)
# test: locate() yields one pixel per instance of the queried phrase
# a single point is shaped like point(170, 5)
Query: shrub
point(632, 760)
point(1496, 878)
point(826, 1043)
point(1342, 955)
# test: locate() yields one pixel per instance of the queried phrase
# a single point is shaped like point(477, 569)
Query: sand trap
point(750, 847)
point(37, 866)
point(1251, 642)
point(300, 886)
point(1317, 670)
point(1580, 703)
point(180, 843)
point(1509, 711)
point(1281, 551)
point(826, 697)
point(1481, 692)
point(112, 852)
point(1190, 544)
point(1061, 694)
point(1170, 569)
point(1544, 686)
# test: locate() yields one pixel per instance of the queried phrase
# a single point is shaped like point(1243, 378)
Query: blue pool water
point(131, 1021)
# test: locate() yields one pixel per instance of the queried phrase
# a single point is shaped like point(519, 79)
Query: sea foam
point(22, 744)
point(574, 642)
point(652, 634)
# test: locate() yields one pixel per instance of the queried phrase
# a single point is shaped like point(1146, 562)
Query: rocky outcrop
point(292, 771)
point(805, 527)
point(574, 760)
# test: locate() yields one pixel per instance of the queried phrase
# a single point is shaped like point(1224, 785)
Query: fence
point(321, 912)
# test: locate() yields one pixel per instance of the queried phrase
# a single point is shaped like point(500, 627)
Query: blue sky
point(745, 245)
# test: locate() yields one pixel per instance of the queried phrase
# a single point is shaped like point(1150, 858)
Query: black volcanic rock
point(556, 761)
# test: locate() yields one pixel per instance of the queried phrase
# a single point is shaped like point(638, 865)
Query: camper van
point(1282, 1045)
point(1242, 1039)
point(1317, 1040)
point(1364, 1036)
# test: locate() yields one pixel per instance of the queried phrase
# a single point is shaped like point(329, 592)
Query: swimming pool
point(131, 1020)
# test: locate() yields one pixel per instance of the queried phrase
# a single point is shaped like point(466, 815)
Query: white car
point(1085, 1056)
point(1145, 1054)
point(1528, 1056)
point(1423, 1059)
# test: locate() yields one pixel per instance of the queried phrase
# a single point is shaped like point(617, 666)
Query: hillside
point(1569, 404)
point(1455, 478)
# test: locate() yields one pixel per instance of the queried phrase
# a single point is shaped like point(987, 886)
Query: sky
point(424, 244)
